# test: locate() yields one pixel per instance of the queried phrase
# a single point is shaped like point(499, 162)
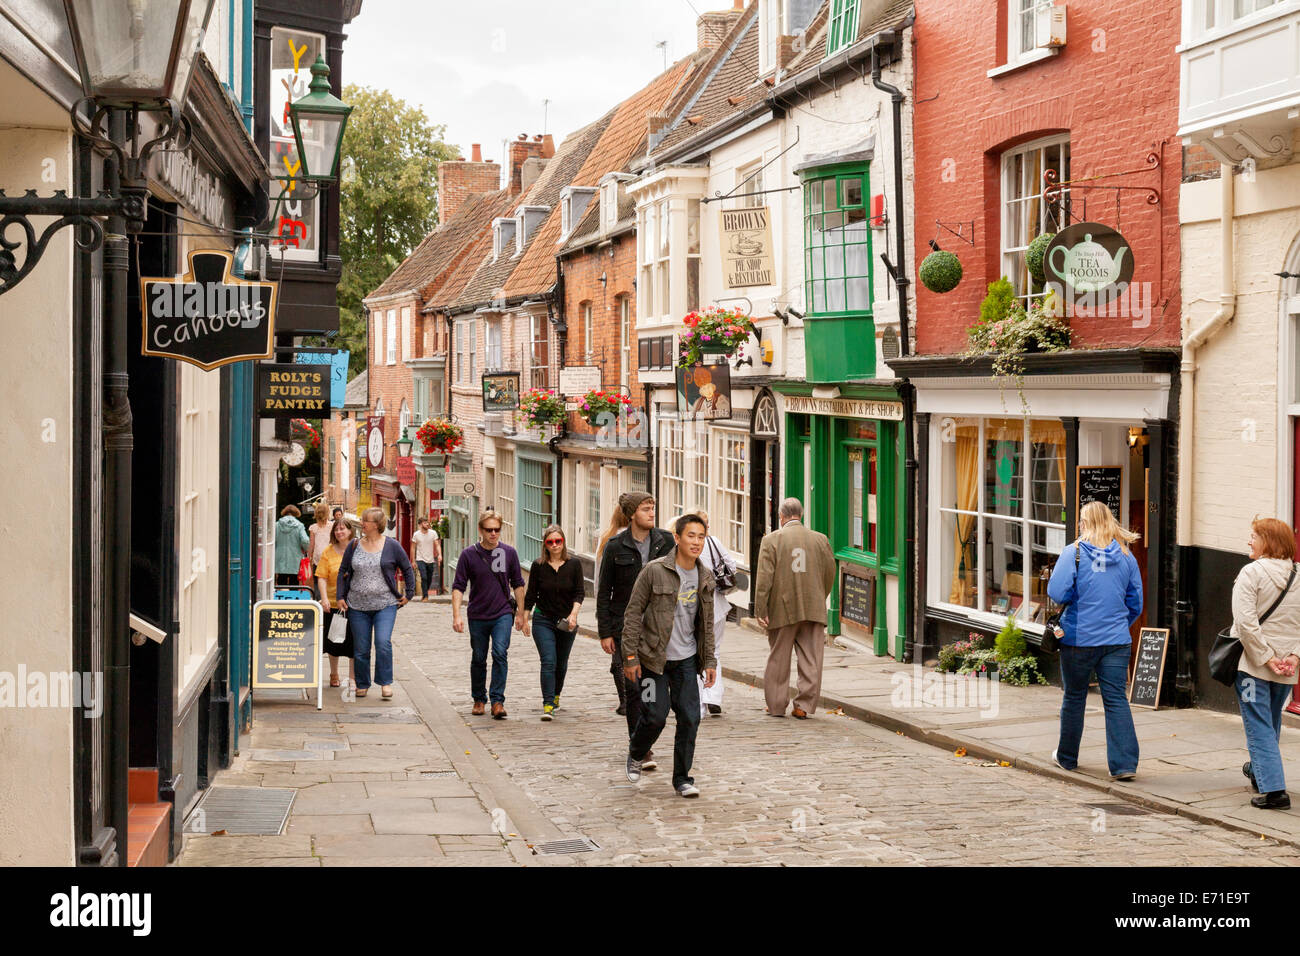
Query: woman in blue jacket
point(1098, 581)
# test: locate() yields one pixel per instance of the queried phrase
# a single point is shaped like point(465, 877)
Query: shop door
point(1139, 479)
point(535, 498)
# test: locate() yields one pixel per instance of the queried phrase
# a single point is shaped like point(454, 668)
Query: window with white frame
point(392, 337)
point(408, 332)
point(624, 341)
point(198, 521)
point(1002, 484)
point(663, 246)
point(495, 359)
point(403, 420)
point(771, 27)
point(1025, 214)
point(377, 336)
point(1025, 20)
point(729, 516)
point(503, 237)
point(609, 204)
point(692, 254)
point(539, 369)
point(646, 223)
point(749, 186)
point(505, 492)
point(843, 29)
point(1207, 15)
point(672, 472)
point(573, 205)
point(465, 335)
point(586, 330)
point(593, 529)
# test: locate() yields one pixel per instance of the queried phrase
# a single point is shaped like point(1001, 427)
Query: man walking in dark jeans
point(667, 640)
point(489, 569)
point(622, 559)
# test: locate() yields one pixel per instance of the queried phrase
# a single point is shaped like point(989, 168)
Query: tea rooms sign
point(207, 317)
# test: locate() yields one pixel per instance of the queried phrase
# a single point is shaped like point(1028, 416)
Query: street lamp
point(403, 444)
point(319, 119)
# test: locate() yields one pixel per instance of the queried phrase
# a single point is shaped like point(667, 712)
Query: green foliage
point(1020, 671)
point(1037, 253)
point(1010, 641)
point(952, 657)
point(949, 659)
point(998, 303)
point(388, 202)
point(979, 662)
point(940, 271)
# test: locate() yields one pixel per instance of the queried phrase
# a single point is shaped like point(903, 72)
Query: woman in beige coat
point(1270, 653)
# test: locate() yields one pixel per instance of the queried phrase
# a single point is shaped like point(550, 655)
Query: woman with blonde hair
point(320, 532)
point(1098, 581)
point(1266, 620)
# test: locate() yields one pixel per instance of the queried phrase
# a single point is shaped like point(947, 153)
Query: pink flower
point(706, 338)
point(586, 407)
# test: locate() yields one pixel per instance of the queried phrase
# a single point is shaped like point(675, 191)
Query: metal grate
point(244, 810)
point(563, 847)
point(1121, 809)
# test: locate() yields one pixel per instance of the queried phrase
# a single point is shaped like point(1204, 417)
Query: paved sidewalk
point(1191, 759)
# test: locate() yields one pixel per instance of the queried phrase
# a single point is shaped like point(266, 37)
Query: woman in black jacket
point(551, 606)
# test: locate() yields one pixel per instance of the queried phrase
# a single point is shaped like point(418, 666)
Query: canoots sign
point(207, 317)
point(1090, 262)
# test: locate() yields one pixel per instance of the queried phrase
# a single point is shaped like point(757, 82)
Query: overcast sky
point(484, 67)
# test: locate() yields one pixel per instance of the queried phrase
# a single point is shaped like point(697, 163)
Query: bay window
point(837, 243)
point(843, 29)
point(663, 246)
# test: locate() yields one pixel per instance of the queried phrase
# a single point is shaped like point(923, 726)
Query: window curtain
point(966, 455)
point(1051, 433)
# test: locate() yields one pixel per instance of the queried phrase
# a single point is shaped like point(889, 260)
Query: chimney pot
point(477, 155)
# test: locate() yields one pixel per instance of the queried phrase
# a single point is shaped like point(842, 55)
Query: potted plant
point(542, 407)
point(1015, 664)
point(597, 404)
point(713, 331)
point(1007, 332)
point(440, 436)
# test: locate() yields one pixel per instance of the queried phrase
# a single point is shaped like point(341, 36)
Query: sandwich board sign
point(287, 646)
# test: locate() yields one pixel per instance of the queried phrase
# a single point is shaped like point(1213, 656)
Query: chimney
point(522, 150)
point(712, 28)
point(458, 180)
point(548, 146)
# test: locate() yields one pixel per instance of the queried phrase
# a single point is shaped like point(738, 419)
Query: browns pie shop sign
point(207, 317)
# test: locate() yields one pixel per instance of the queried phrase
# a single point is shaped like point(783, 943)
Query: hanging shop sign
point(406, 470)
point(207, 317)
point(704, 392)
point(338, 371)
point(844, 408)
point(1090, 263)
point(462, 483)
point(288, 390)
point(375, 442)
point(747, 256)
point(501, 392)
point(576, 380)
point(287, 646)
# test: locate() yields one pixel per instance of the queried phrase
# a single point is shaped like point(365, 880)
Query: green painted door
point(536, 497)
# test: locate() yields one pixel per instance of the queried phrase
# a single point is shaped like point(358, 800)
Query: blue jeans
point(553, 646)
point(361, 624)
point(1110, 661)
point(1262, 702)
point(676, 685)
point(428, 576)
point(497, 631)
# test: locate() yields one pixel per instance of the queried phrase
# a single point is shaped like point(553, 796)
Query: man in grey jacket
point(667, 641)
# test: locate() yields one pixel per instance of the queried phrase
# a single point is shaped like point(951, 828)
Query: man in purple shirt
point(489, 569)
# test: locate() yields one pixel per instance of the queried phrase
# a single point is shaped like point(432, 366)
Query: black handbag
point(1051, 642)
point(1225, 654)
point(723, 576)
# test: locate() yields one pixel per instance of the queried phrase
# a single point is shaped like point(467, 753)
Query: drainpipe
point(1186, 430)
point(906, 391)
point(246, 81)
point(555, 315)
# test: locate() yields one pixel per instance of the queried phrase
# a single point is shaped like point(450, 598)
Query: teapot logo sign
point(1089, 261)
point(207, 317)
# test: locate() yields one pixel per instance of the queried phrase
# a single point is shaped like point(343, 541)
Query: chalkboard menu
point(1149, 670)
point(1099, 483)
point(857, 598)
point(286, 644)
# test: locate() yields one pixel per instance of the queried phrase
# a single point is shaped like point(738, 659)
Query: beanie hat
point(629, 501)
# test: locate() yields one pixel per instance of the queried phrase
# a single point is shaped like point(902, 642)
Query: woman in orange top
point(327, 579)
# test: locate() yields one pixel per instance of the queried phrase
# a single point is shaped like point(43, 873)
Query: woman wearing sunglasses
point(551, 604)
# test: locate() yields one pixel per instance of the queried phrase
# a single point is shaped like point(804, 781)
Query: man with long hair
point(621, 560)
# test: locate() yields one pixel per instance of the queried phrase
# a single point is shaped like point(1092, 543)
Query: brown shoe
point(479, 708)
point(498, 711)
point(800, 714)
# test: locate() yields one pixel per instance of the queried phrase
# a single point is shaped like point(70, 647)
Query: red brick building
point(1006, 98)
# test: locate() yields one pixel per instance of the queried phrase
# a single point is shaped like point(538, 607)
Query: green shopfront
point(844, 460)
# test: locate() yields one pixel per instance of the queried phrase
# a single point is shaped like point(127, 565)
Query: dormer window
point(844, 25)
point(528, 218)
point(611, 192)
point(771, 27)
point(573, 204)
point(503, 232)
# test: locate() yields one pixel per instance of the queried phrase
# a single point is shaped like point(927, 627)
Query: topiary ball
point(1037, 253)
point(940, 271)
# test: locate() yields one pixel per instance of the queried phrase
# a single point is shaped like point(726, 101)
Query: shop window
point(837, 244)
point(1024, 213)
point(672, 472)
point(1001, 521)
point(505, 492)
point(863, 497)
point(729, 518)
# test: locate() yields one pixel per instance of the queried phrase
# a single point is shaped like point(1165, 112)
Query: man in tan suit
point(796, 571)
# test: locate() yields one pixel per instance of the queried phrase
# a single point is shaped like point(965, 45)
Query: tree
point(389, 200)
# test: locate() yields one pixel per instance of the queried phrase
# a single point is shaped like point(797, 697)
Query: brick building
point(1006, 102)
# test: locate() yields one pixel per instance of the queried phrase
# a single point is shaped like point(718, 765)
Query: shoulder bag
point(723, 574)
point(1052, 630)
point(1225, 654)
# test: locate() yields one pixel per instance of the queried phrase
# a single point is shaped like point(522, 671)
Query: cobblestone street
point(828, 790)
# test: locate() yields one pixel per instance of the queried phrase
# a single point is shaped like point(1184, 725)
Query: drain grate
point(243, 810)
point(437, 774)
point(563, 847)
point(1121, 809)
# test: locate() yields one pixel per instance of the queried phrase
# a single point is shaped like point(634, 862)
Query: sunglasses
point(555, 541)
point(491, 530)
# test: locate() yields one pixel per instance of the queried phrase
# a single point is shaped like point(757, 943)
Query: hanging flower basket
point(303, 429)
point(440, 436)
point(1007, 332)
point(542, 406)
point(602, 408)
point(713, 331)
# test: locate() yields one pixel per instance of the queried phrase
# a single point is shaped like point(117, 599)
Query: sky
point(484, 67)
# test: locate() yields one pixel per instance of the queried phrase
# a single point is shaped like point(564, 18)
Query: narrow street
point(418, 781)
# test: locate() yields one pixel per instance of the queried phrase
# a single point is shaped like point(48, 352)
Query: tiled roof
point(489, 281)
point(439, 249)
point(619, 142)
point(355, 395)
point(814, 50)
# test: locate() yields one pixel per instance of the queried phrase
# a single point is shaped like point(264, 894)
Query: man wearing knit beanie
point(622, 559)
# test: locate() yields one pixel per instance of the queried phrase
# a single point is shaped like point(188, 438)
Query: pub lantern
point(319, 119)
point(403, 444)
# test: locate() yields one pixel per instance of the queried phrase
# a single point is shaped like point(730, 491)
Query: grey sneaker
point(688, 790)
point(649, 762)
point(633, 769)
